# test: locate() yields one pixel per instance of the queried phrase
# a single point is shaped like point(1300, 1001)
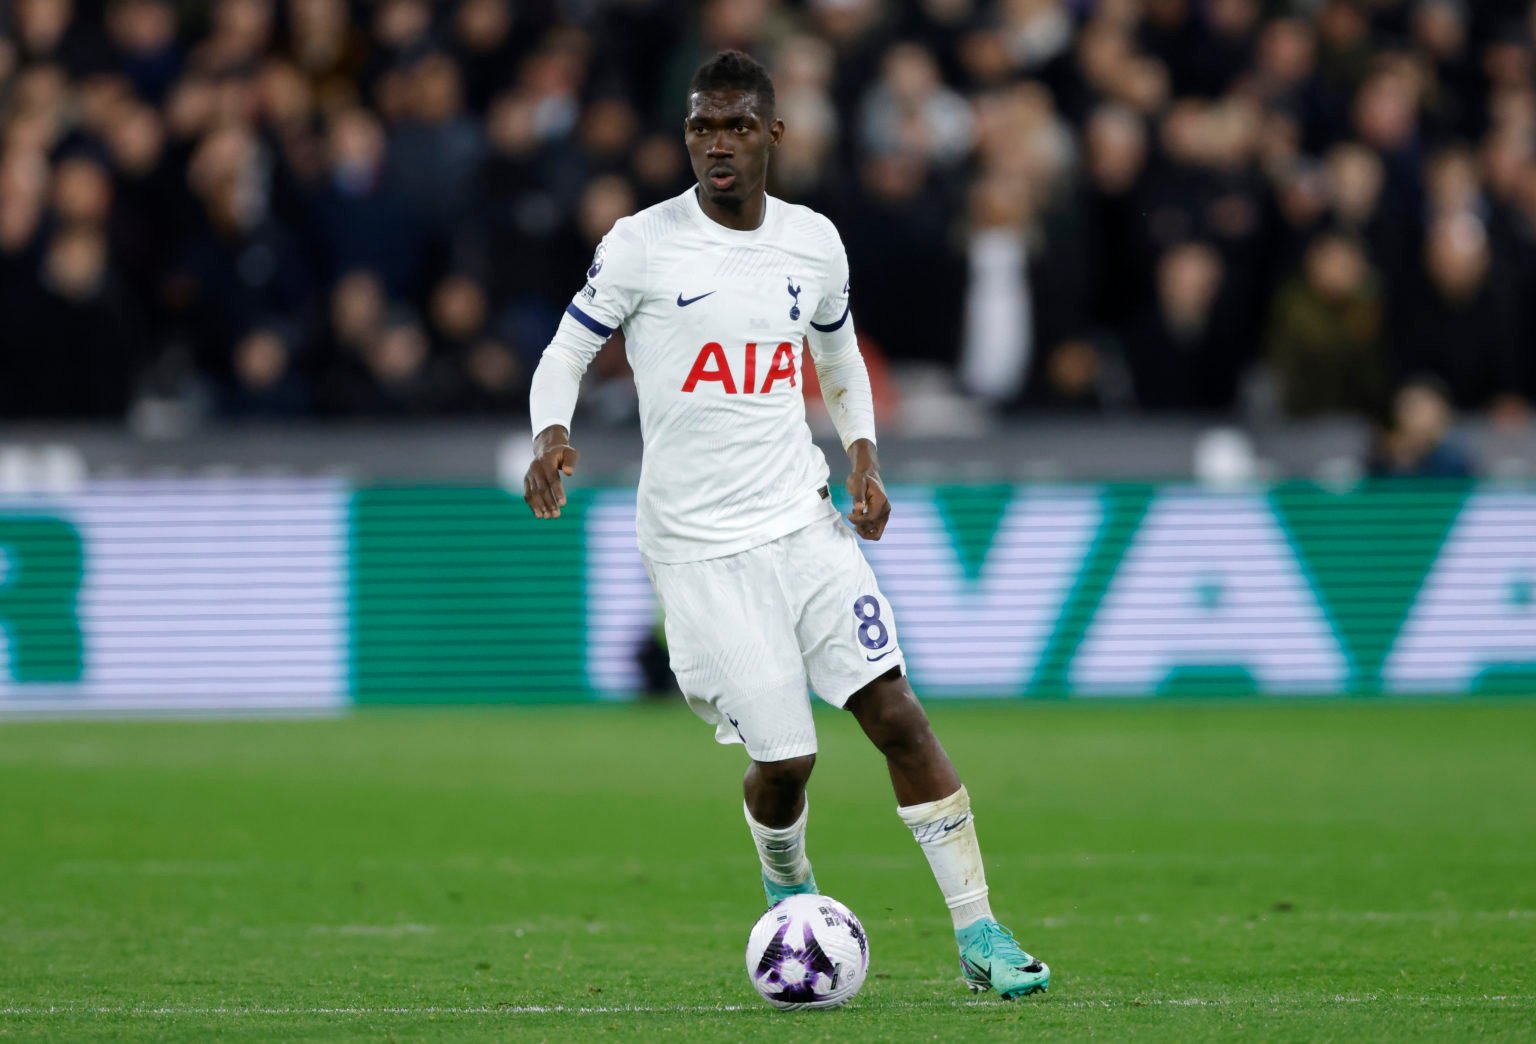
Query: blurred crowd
point(285, 208)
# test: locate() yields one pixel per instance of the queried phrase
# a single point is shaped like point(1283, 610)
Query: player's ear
point(775, 133)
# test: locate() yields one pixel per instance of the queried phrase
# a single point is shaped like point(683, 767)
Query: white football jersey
point(714, 322)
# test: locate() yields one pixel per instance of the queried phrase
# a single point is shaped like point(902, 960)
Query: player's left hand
point(871, 507)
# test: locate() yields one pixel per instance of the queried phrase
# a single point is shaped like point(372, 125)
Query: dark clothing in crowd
point(271, 170)
point(907, 277)
point(1447, 460)
point(1474, 345)
point(1327, 353)
point(1173, 368)
point(66, 355)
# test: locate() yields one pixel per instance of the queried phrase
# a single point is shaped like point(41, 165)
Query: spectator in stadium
point(1172, 32)
point(486, 375)
point(1179, 350)
point(802, 81)
point(1355, 180)
point(241, 31)
point(493, 379)
point(40, 106)
point(401, 33)
point(286, 114)
point(393, 375)
point(360, 217)
point(423, 139)
point(1453, 185)
point(660, 168)
point(147, 208)
point(435, 148)
point(265, 379)
point(82, 190)
point(49, 31)
point(859, 32)
point(485, 47)
point(1076, 376)
point(23, 203)
point(1034, 35)
point(1107, 66)
point(607, 135)
point(355, 314)
point(458, 314)
point(328, 49)
point(1386, 118)
point(909, 109)
point(1283, 78)
point(143, 35)
point(1113, 176)
point(1440, 33)
point(1463, 326)
point(1418, 443)
point(1231, 37)
point(1024, 145)
point(996, 349)
point(239, 266)
point(72, 342)
point(750, 25)
point(1325, 345)
point(520, 233)
point(896, 229)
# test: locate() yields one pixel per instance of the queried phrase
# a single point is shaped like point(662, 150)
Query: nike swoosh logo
point(683, 302)
point(882, 656)
point(958, 823)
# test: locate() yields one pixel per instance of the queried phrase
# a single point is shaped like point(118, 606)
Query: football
point(809, 951)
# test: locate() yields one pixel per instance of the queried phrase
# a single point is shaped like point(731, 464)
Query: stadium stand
point(314, 208)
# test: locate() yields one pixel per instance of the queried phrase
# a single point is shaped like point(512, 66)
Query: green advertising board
point(255, 595)
point(1001, 590)
point(461, 596)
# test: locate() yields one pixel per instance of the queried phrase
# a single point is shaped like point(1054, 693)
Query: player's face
point(729, 138)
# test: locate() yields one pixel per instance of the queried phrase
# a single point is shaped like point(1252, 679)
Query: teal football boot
point(777, 893)
point(990, 959)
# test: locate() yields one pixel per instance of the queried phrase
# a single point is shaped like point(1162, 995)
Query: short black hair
point(735, 71)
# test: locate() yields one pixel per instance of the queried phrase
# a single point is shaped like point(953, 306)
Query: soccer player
point(764, 588)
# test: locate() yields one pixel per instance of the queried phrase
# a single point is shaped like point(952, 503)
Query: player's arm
point(611, 294)
point(845, 388)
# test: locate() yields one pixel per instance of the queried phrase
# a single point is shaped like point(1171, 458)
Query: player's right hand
point(553, 455)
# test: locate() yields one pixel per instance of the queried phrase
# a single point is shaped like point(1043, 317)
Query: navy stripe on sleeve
point(832, 326)
point(596, 327)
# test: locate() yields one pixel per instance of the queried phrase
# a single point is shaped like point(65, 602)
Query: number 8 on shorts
point(872, 632)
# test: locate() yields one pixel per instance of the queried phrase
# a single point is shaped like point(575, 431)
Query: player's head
point(731, 127)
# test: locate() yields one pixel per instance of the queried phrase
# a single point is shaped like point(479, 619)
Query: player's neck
point(746, 218)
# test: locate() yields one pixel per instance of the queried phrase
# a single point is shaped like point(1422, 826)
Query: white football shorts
point(749, 633)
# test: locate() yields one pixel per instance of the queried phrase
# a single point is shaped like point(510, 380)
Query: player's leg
point(848, 633)
point(732, 646)
point(775, 790)
point(937, 809)
point(777, 811)
point(930, 799)
point(896, 724)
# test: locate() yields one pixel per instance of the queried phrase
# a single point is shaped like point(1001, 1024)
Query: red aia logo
point(712, 365)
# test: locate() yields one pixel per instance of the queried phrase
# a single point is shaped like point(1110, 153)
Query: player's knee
point(791, 774)
point(892, 718)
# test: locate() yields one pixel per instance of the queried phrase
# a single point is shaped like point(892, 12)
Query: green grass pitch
point(1244, 870)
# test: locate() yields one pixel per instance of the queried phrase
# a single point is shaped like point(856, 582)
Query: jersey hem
point(789, 523)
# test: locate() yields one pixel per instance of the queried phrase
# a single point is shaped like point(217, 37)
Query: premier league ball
point(808, 952)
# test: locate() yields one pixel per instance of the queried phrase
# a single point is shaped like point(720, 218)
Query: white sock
point(946, 830)
point(782, 849)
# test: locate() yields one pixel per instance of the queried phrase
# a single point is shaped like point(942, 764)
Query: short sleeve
point(615, 282)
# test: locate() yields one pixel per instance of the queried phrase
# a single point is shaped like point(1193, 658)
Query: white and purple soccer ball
point(808, 952)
